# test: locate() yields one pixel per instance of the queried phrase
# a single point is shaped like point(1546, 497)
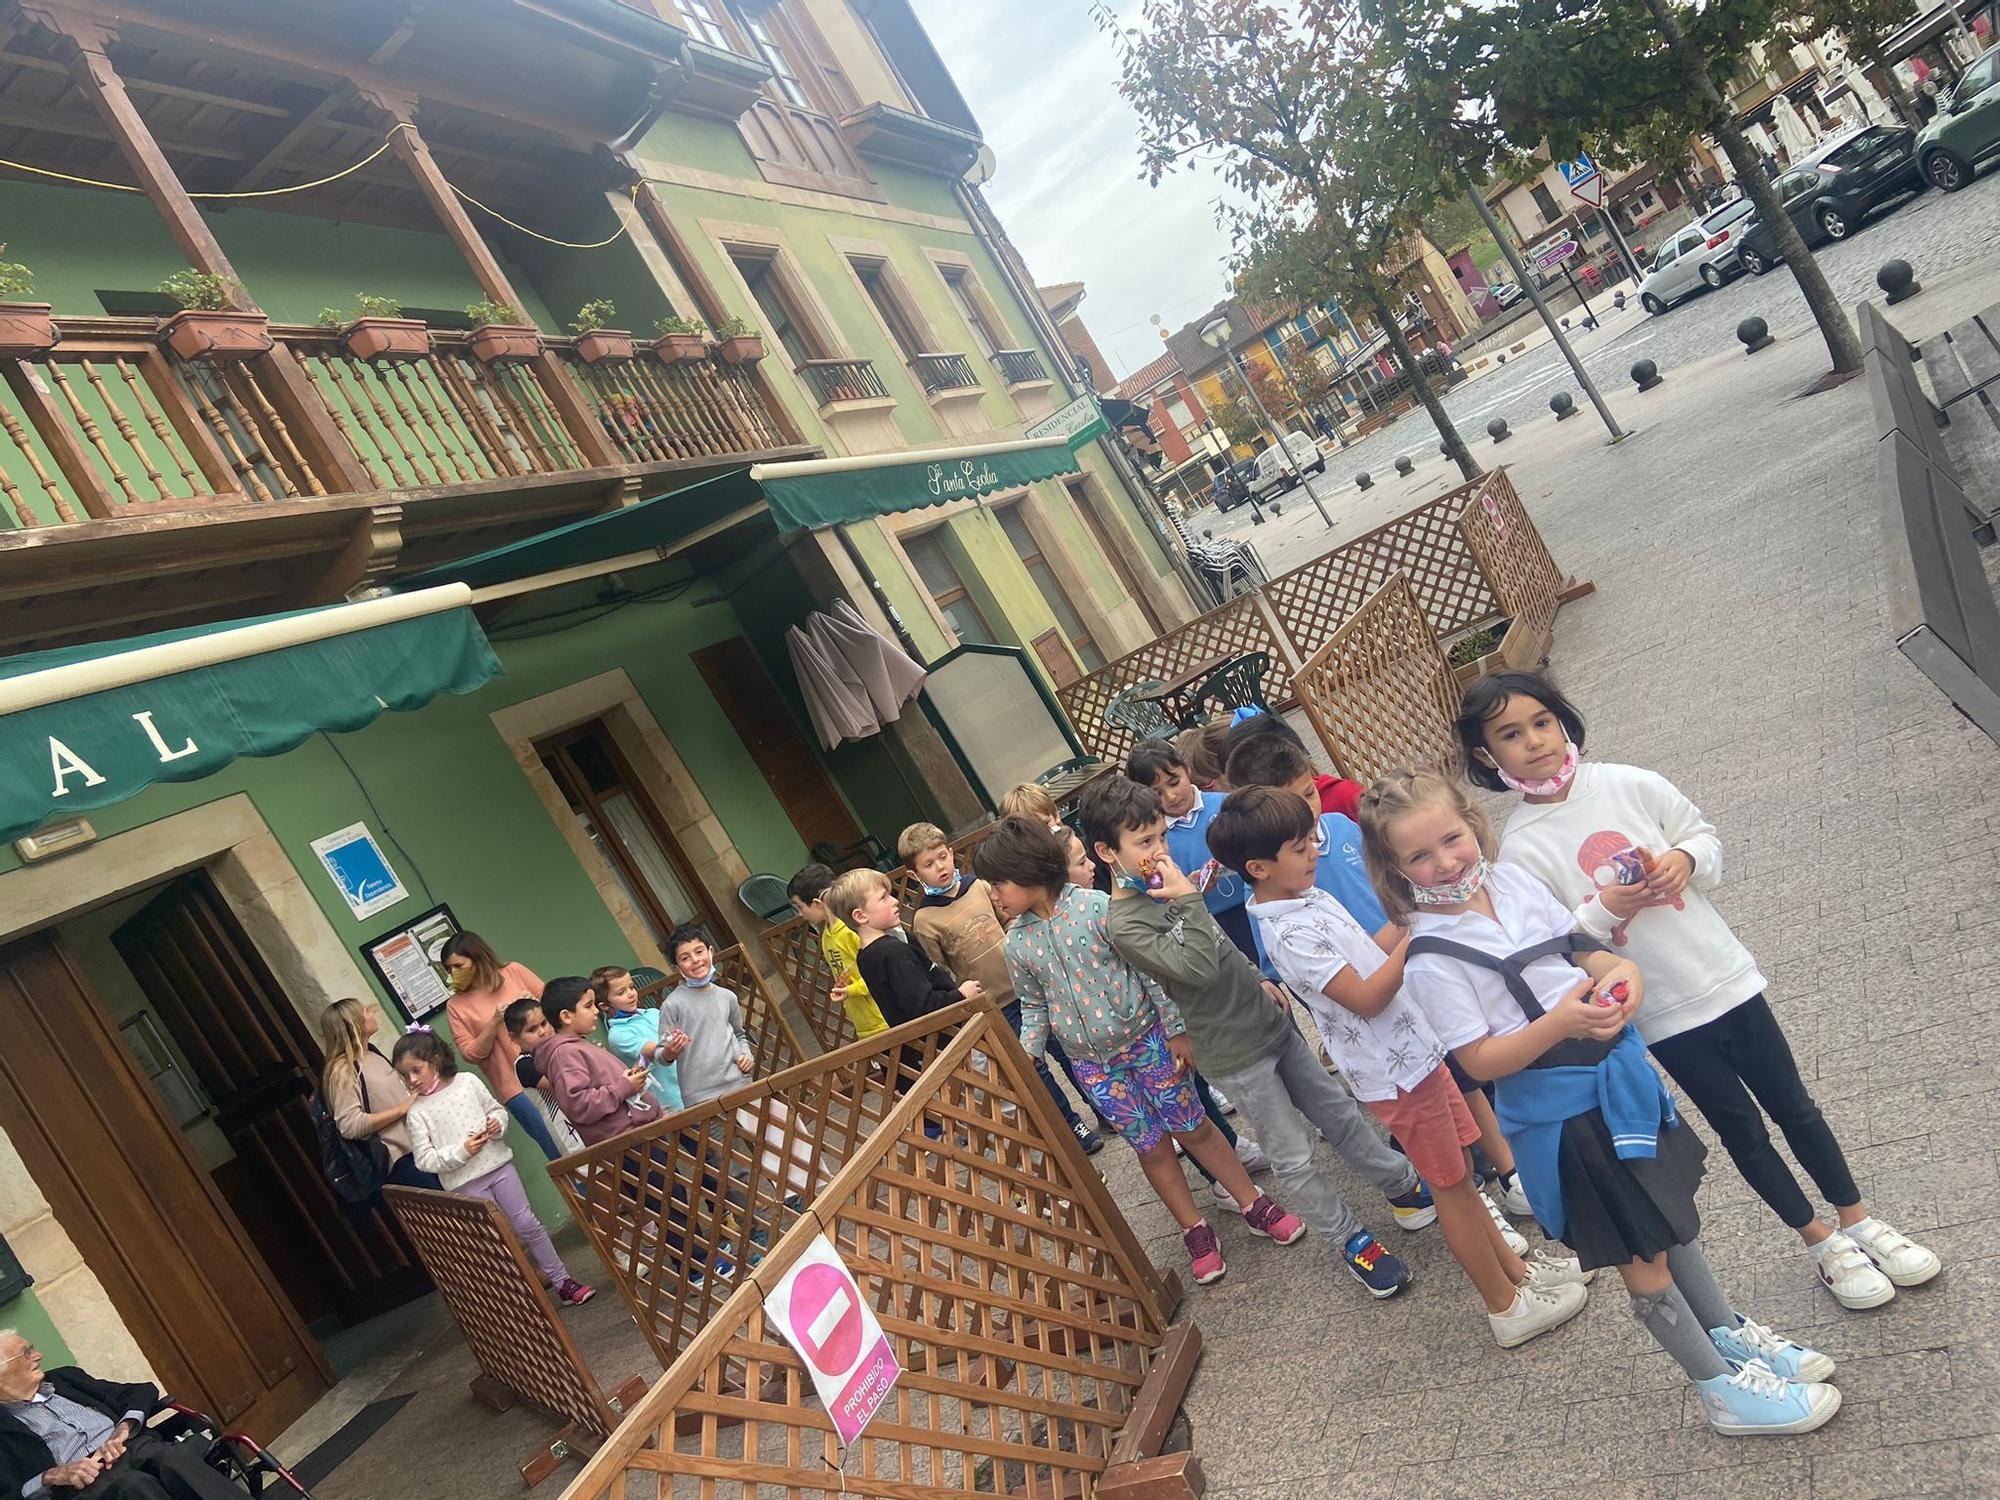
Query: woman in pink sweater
point(485, 988)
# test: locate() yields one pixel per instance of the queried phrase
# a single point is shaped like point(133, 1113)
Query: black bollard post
point(1563, 405)
point(1403, 464)
point(1646, 374)
point(1498, 428)
point(1755, 333)
point(1364, 480)
point(1898, 280)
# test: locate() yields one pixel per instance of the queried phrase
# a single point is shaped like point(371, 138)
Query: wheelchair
point(235, 1455)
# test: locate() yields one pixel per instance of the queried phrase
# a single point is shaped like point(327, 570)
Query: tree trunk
point(1834, 327)
point(1406, 360)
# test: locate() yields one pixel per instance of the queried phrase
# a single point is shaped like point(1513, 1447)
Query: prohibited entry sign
point(819, 1309)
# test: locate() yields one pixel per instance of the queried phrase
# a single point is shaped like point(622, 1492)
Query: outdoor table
point(1064, 790)
point(1171, 696)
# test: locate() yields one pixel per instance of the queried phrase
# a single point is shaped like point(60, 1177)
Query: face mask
point(1555, 783)
point(700, 984)
point(462, 979)
point(943, 890)
point(1462, 889)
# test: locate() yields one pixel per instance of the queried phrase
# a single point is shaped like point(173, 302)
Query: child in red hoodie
point(596, 1092)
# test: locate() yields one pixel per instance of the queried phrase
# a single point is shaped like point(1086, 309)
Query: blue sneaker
point(1755, 1402)
point(1374, 1267)
point(1748, 1341)
point(1414, 1209)
point(1087, 1138)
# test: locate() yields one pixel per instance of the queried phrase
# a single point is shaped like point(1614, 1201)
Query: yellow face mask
point(462, 979)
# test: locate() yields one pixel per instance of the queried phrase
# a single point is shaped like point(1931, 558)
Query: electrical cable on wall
point(380, 821)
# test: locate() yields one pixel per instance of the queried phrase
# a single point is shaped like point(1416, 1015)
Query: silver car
point(1703, 254)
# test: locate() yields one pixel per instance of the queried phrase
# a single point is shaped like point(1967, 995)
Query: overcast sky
point(1043, 82)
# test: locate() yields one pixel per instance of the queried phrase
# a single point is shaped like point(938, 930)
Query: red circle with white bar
point(825, 1314)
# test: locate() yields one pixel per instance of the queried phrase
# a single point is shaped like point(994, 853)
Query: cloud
point(1043, 82)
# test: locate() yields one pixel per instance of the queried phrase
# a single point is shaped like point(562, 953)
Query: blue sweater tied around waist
point(1533, 1104)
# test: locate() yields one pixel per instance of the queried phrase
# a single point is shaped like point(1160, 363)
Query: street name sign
point(1553, 255)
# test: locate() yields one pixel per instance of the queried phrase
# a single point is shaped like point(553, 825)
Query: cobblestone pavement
point(1737, 643)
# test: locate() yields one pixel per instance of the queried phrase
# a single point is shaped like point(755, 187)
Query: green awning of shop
point(84, 727)
point(823, 492)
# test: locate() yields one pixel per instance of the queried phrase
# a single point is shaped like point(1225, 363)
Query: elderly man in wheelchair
point(63, 1435)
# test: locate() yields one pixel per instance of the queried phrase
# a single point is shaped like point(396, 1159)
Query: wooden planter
point(504, 343)
point(680, 348)
point(604, 346)
point(1467, 673)
point(386, 338)
point(219, 338)
point(26, 330)
point(741, 349)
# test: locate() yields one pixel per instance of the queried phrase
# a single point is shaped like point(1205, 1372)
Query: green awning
point(84, 727)
point(823, 492)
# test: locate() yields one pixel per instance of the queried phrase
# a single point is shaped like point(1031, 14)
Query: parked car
point(1275, 474)
point(1831, 192)
point(1506, 293)
point(1232, 485)
point(1966, 130)
point(1703, 254)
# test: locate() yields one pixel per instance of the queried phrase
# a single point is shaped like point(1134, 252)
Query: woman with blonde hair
point(364, 1094)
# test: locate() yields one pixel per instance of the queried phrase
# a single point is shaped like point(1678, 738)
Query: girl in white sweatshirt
point(1635, 859)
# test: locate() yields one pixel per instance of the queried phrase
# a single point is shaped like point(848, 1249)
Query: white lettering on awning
point(66, 763)
point(145, 722)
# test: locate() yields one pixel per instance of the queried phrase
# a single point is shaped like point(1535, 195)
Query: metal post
point(1618, 238)
point(1589, 317)
point(1527, 284)
point(1305, 480)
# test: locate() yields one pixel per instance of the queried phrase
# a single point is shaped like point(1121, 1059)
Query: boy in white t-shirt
point(1393, 1060)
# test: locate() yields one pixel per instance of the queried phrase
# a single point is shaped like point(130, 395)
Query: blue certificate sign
point(360, 870)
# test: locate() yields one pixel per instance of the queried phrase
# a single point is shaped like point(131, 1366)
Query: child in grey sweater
point(701, 1023)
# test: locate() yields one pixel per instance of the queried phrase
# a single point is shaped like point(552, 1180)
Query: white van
point(1274, 476)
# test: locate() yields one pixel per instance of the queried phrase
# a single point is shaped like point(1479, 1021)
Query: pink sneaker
point(1266, 1218)
point(1204, 1254)
point(574, 1292)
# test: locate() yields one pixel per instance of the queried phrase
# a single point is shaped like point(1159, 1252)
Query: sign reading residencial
point(818, 1307)
point(360, 870)
point(408, 960)
point(1553, 255)
point(1078, 422)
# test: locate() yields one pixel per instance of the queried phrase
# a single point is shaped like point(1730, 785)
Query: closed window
point(774, 300)
point(971, 302)
point(703, 23)
point(947, 590)
point(1545, 202)
point(764, 41)
point(1029, 551)
point(1179, 415)
point(886, 292)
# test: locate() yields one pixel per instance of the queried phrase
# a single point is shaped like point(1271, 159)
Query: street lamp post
point(1215, 333)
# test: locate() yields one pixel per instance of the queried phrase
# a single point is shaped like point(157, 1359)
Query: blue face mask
point(699, 984)
point(943, 890)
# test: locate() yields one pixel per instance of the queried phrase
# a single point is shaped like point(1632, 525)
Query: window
point(760, 274)
point(1016, 526)
point(702, 22)
point(1545, 202)
point(763, 40)
point(887, 294)
point(971, 302)
point(1179, 415)
point(946, 588)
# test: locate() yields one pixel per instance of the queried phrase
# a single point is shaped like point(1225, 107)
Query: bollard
point(1645, 374)
point(1755, 333)
point(1563, 405)
point(1498, 428)
point(1364, 480)
point(1444, 450)
point(1898, 280)
point(1501, 357)
point(1618, 300)
point(1403, 464)
point(1565, 322)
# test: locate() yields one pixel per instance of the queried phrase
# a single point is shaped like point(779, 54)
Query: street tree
point(1332, 156)
point(1239, 424)
point(1867, 24)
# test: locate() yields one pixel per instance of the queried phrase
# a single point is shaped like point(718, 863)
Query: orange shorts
point(1432, 1125)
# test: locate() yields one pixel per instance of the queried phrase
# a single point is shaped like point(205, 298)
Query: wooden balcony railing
point(108, 424)
point(832, 380)
point(944, 372)
point(1019, 366)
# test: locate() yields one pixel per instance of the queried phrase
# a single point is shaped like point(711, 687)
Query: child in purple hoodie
point(596, 1092)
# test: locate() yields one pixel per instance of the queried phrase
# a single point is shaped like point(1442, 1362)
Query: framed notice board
point(405, 959)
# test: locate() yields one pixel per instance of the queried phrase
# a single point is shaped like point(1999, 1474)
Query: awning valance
point(824, 492)
point(84, 727)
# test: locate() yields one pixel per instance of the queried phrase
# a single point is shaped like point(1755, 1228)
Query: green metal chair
point(1143, 717)
point(1238, 685)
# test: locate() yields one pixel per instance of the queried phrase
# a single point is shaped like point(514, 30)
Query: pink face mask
point(1555, 783)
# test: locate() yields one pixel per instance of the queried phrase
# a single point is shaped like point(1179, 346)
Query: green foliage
point(594, 315)
point(736, 328)
point(1239, 424)
point(16, 280)
point(675, 323)
point(373, 306)
point(487, 311)
point(1471, 647)
point(197, 291)
point(331, 317)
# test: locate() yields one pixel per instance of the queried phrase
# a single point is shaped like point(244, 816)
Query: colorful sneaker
point(1755, 1402)
point(1846, 1270)
point(1223, 1196)
point(1222, 1104)
point(1251, 1155)
point(1374, 1267)
point(1272, 1222)
point(1748, 1341)
point(1546, 1268)
point(1087, 1138)
point(574, 1292)
point(1514, 1238)
point(1204, 1254)
point(1536, 1310)
point(1414, 1209)
point(1896, 1256)
point(1512, 1197)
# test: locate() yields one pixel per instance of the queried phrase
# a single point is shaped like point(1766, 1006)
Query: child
point(1242, 1038)
point(1608, 1164)
point(904, 982)
point(632, 1035)
point(958, 925)
point(1352, 981)
point(701, 1022)
point(527, 1025)
point(458, 1130)
point(1203, 751)
point(1127, 1038)
point(596, 1092)
point(1030, 801)
point(1335, 794)
point(1158, 764)
point(1082, 868)
point(1635, 859)
point(839, 946)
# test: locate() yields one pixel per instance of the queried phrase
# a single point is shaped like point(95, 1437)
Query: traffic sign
point(1553, 255)
point(1584, 180)
point(818, 1307)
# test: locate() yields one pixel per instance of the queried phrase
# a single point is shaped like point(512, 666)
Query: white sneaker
point(1222, 1104)
point(1536, 1310)
point(1756, 1402)
point(1846, 1270)
point(1223, 1196)
point(1545, 1268)
point(1512, 1198)
point(1896, 1256)
point(1515, 1241)
point(1251, 1155)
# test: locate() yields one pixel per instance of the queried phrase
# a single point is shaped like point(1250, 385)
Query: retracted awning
point(88, 726)
point(814, 493)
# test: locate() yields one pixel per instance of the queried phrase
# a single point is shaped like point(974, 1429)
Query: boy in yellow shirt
point(840, 945)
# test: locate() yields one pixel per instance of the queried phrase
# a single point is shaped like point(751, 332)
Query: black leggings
point(1741, 1054)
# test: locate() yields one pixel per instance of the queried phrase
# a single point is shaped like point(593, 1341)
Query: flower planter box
point(504, 343)
point(27, 330)
point(220, 338)
point(680, 348)
point(604, 346)
point(386, 338)
point(742, 349)
point(1469, 672)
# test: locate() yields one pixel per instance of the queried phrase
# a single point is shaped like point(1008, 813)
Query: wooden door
point(125, 1185)
point(750, 700)
point(257, 1063)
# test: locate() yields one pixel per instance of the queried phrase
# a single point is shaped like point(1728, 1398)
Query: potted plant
point(26, 329)
point(595, 342)
point(739, 344)
point(500, 335)
point(379, 331)
point(209, 326)
point(1477, 652)
point(681, 340)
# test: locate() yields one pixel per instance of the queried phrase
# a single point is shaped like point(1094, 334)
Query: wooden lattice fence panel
point(795, 953)
point(774, 1042)
point(1021, 1308)
point(1524, 578)
point(1237, 627)
point(1380, 693)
